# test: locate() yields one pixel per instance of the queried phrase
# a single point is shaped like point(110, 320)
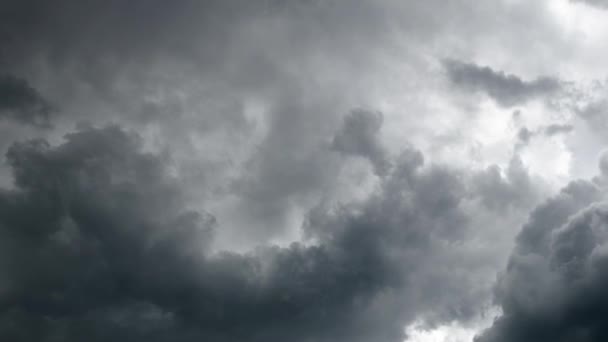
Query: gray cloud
point(594, 113)
point(359, 136)
point(506, 89)
point(218, 84)
point(98, 243)
point(555, 129)
point(526, 136)
point(22, 103)
point(597, 3)
point(240, 108)
point(513, 189)
point(553, 286)
point(96, 246)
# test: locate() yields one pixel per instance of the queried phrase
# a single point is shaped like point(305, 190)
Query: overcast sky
point(304, 170)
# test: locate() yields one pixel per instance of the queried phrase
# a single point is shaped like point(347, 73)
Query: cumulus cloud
point(300, 170)
point(507, 90)
point(553, 286)
point(98, 243)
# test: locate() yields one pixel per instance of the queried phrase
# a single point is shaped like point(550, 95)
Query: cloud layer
point(302, 170)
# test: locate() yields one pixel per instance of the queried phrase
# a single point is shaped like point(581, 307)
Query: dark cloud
point(22, 103)
point(239, 105)
point(34, 28)
point(98, 244)
point(91, 223)
point(506, 89)
point(98, 44)
point(554, 286)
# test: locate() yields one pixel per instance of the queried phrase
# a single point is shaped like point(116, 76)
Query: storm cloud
point(302, 170)
point(98, 244)
point(552, 288)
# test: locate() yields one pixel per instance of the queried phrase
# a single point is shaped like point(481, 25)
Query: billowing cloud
point(553, 287)
point(98, 244)
point(301, 169)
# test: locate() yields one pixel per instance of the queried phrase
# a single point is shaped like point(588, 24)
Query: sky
point(304, 170)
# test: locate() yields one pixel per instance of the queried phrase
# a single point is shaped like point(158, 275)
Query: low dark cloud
point(98, 244)
point(507, 90)
point(553, 288)
point(22, 103)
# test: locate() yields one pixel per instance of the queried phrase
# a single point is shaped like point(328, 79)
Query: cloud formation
point(553, 286)
point(298, 170)
point(98, 244)
point(507, 90)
